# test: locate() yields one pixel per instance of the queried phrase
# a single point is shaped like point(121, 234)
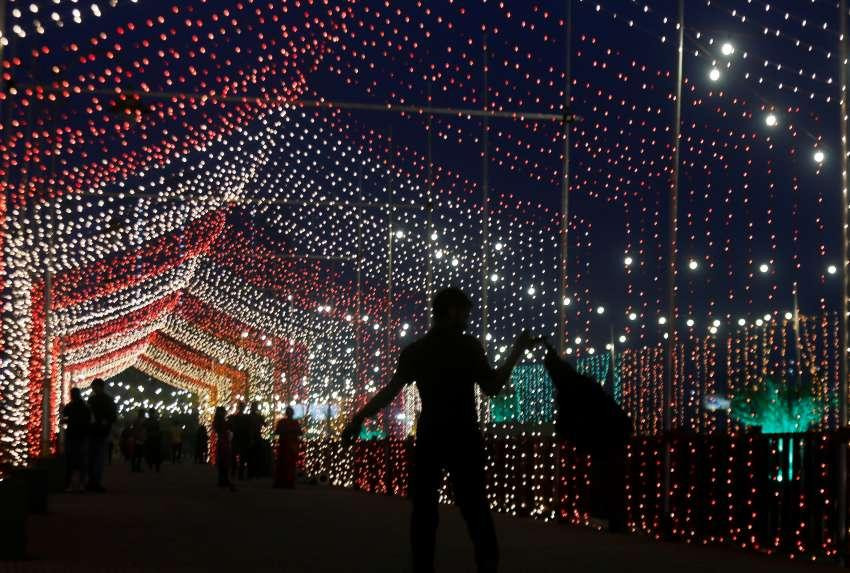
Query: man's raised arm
point(493, 380)
point(379, 401)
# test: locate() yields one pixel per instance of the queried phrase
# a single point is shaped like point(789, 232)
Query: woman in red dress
point(288, 433)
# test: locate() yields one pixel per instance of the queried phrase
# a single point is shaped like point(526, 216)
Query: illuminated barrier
point(773, 494)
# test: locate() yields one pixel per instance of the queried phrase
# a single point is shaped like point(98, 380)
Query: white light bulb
point(662, 320)
point(690, 322)
point(494, 278)
point(742, 322)
point(628, 261)
point(764, 268)
point(714, 74)
point(578, 340)
point(727, 49)
point(716, 322)
point(531, 290)
point(600, 310)
point(819, 156)
point(693, 265)
point(771, 120)
point(832, 269)
point(632, 316)
point(789, 315)
point(622, 338)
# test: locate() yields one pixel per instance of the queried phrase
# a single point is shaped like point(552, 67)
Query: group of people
point(241, 450)
point(145, 439)
point(445, 364)
point(88, 426)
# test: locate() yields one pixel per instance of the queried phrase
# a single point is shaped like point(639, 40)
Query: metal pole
point(565, 186)
point(798, 350)
point(358, 303)
point(845, 283)
point(429, 200)
point(671, 268)
point(485, 202)
point(485, 222)
point(319, 104)
point(389, 314)
point(613, 391)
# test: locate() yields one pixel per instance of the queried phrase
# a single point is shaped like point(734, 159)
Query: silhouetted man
point(446, 364)
point(255, 422)
point(240, 426)
point(104, 413)
point(590, 419)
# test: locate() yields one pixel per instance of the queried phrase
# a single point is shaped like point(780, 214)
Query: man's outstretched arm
point(493, 381)
point(379, 401)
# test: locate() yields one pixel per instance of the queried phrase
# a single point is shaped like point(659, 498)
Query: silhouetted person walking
point(255, 422)
point(224, 447)
point(590, 419)
point(446, 364)
point(153, 441)
point(104, 413)
point(201, 445)
point(240, 426)
point(77, 419)
point(137, 442)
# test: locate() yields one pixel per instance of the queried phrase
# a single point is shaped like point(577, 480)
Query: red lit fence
point(773, 494)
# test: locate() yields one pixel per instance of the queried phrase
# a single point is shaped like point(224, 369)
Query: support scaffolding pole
point(429, 210)
point(485, 201)
point(318, 104)
point(673, 216)
point(565, 187)
point(485, 221)
point(845, 285)
point(389, 313)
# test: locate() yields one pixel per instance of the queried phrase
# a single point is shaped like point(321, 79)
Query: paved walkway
point(177, 521)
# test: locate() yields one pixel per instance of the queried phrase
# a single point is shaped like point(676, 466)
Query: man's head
point(451, 308)
point(240, 406)
point(289, 412)
point(97, 386)
point(76, 395)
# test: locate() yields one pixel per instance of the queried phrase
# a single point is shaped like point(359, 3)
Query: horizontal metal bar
point(565, 117)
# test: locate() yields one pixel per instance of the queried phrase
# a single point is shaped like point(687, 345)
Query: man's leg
point(425, 515)
point(608, 484)
point(97, 452)
point(466, 469)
